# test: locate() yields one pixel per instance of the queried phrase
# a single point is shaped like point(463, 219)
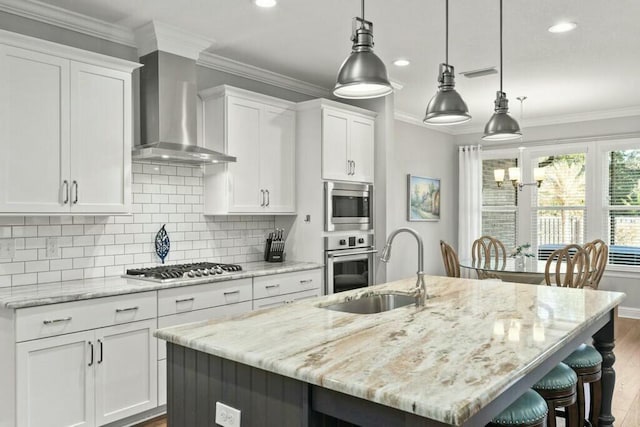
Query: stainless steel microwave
point(348, 206)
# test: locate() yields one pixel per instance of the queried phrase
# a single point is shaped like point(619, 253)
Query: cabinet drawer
point(284, 299)
point(286, 283)
point(189, 298)
point(196, 316)
point(64, 318)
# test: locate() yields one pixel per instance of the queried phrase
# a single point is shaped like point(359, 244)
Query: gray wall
point(626, 282)
point(421, 151)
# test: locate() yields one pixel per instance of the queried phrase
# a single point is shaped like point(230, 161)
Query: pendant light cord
point(446, 20)
point(363, 10)
point(500, 46)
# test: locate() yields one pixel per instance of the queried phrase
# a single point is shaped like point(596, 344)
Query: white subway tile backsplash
point(49, 276)
point(83, 241)
point(24, 279)
point(74, 252)
point(36, 266)
point(72, 274)
point(96, 246)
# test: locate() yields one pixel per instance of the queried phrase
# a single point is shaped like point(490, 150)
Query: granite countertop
point(52, 293)
point(444, 361)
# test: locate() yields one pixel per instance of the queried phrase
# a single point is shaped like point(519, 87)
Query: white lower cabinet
point(55, 381)
point(279, 289)
point(87, 378)
point(125, 374)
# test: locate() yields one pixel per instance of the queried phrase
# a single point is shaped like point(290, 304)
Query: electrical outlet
point(53, 248)
point(226, 416)
point(7, 248)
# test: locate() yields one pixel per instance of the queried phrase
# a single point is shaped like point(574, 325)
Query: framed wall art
point(423, 198)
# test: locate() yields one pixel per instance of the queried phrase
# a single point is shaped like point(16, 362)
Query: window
point(623, 210)
point(499, 205)
point(559, 213)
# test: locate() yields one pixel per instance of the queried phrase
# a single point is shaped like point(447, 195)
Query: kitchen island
point(459, 360)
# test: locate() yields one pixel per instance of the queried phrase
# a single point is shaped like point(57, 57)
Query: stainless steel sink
point(374, 303)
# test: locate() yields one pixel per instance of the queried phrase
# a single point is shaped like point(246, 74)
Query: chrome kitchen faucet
point(421, 287)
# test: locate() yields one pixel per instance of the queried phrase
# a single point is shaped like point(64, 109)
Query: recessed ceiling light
point(562, 27)
point(401, 62)
point(265, 3)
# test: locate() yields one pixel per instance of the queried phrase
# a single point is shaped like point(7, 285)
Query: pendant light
point(501, 126)
point(362, 75)
point(446, 107)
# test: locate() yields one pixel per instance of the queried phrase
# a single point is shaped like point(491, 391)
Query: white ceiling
point(593, 70)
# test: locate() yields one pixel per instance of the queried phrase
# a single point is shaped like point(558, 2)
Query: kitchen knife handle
point(268, 197)
point(262, 204)
point(65, 186)
point(75, 184)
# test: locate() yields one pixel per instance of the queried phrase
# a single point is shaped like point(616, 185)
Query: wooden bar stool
point(530, 410)
point(586, 361)
point(558, 389)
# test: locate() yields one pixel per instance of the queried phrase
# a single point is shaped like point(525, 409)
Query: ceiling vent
point(480, 72)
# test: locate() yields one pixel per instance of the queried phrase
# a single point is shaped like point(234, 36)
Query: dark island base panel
point(196, 381)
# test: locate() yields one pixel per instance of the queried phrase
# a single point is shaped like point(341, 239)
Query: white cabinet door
point(34, 131)
point(54, 381)
point(277, 159)
point(335, 139)
point(126, 370)
point(361, 149)
point(243, 139)
point(100, 139)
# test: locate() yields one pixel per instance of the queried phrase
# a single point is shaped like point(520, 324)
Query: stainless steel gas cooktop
point(177, 272)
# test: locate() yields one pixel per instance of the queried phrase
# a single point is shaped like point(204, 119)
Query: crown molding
point(237, 68)
point(167, 38)
point(69, 20)
point(413, 120)
point(560, 119)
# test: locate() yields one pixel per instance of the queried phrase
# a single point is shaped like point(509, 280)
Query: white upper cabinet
point(65, 129)
point(347, 145)
point(260, 131)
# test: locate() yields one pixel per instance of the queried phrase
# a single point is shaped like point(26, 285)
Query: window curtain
point(469, 198)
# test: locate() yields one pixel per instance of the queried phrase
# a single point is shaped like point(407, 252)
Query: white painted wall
point(420, 151)
point(627, 282)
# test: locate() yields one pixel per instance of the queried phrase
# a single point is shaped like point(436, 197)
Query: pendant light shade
point(446, 107)
point(362, 75)
point(501, 126)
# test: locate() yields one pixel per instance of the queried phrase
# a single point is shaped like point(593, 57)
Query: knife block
point(274, 250)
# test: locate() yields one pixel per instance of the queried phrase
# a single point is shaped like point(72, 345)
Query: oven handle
point(333, 255)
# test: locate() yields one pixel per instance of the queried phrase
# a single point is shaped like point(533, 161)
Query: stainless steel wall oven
point(348, 206)
point(349, 262)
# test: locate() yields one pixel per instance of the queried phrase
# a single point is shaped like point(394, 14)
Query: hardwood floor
point(626, 398)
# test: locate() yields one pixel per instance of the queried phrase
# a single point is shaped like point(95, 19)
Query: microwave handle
point(372, 251)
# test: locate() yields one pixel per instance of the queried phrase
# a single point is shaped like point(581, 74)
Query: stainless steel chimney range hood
point(168, 102)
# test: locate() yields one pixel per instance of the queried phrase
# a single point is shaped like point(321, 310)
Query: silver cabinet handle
point(373, 251)
point(122, 310)
point(65, 186)
point(64, 319)
point(348, 167)
point(354, 167)
point(75, 199)
point(271, 286)
point(304, 282)
point(262, 204)
point(91, 361)
point(101, 352)
point(231, 293)
point(268, 198)
point(185, 300)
